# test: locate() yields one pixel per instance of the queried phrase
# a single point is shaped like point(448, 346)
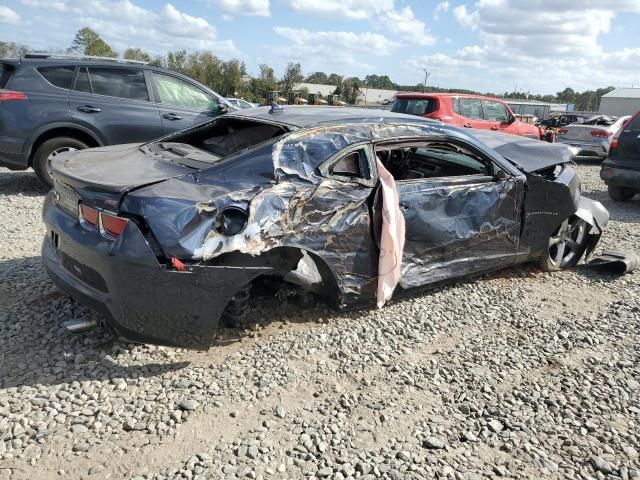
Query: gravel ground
point(520, 374)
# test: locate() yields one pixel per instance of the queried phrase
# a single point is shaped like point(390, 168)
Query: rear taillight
point(562, 131)
point(88, 216)
point(601, 133)
point(111, 225)
point(6, 95)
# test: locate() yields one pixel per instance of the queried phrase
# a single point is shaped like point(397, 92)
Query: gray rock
point(434, 443)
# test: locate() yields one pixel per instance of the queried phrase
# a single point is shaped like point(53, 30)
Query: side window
point(495, 111)
point(347, 166)
point(433, 160)
point(58, 76)
point(353, 164)
point(82, 81)
point(176, 92)
point(471, 108)
point(118, 82)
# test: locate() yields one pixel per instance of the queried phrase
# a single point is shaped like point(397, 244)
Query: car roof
point(307, 116)
point(443, 94)
point(70, 60)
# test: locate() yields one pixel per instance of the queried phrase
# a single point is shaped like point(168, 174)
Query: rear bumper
point(619, 175)
point(141, 299)
point(588, 148)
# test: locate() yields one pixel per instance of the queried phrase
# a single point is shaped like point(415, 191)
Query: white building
point(366, 95)
point(619, 102)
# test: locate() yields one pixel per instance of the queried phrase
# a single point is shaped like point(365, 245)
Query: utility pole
point(424, 85)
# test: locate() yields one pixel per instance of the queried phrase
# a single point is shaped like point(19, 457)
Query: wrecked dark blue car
point(165, 239)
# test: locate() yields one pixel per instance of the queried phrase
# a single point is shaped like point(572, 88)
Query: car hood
point(525, 153)
point(114, 169)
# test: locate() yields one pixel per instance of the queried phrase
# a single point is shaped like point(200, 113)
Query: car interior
point(225, 136)
point(430, 160)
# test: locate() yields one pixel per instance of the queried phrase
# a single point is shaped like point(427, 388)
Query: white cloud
point(404, 23)
point(351, 9)
point(244, 7)
point(124, 24)
point(8, 16)
point(333, 50)
point(58, 6)
point(543, 27)
point(442, 7)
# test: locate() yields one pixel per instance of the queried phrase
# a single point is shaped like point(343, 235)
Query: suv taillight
point(601, 133)
point(6, 95)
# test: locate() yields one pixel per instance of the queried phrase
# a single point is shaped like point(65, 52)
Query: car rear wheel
point(566, 245)
point(621, 194)
point(48, 151)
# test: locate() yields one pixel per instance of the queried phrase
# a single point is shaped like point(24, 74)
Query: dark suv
point(51, 104)
point(621, 170)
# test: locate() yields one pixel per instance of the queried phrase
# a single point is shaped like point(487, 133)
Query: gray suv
point(52, 104)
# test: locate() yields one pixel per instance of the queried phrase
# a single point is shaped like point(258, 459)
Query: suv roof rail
point(82, 57)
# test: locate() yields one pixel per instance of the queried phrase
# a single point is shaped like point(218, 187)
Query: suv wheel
point(620, 194)
point(48, 151)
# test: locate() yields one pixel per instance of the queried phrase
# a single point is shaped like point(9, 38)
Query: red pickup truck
point(462, 110)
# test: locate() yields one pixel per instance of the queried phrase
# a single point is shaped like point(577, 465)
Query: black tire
point(51, 146)
point(572, 234)
point(620, 194)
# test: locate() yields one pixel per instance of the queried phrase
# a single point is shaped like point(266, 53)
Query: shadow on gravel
point(35, 349)
point(22, 182)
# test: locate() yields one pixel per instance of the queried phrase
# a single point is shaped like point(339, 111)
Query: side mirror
point(511, 119)
point(222, 109)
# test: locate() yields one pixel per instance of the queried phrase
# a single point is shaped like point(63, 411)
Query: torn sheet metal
point(391, 237)
point(457, 226)
point(615, 261)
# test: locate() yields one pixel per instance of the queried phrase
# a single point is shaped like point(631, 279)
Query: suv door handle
point(467, 125)
point(89, 109)
point(494, 128)
point(171, 116)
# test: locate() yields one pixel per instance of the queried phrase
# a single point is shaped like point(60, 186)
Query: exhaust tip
point(77, 326)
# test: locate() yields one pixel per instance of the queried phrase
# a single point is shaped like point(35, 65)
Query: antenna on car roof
point(82, 57)
point(276, 108)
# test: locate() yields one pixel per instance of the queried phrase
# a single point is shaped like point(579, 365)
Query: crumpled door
point(457, 226)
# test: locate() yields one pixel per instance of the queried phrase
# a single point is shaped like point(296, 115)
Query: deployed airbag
point(391, 238)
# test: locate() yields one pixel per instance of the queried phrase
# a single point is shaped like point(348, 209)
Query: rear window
point(634, 124)
point(414, 106)
point(5, 73)
point(58, 76)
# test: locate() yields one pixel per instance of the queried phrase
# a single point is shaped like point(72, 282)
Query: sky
point(536, 46)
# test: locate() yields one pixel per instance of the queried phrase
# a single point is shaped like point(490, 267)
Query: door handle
point(171, 116)
point(89, 109)
point(494, 128)
point(404, 206)
point(467, 125)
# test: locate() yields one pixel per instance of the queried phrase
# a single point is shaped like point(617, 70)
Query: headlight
point(231, 221)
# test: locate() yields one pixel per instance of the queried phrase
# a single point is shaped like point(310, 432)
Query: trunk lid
point(115, 169)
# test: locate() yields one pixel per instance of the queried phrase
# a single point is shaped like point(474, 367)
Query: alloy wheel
point(567, 242)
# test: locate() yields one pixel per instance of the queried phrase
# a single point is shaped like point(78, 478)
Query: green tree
point(11, 49)
point(88, 42)
point(292, 75)
point(334, 79)
point(379, 81)
point(317, 77)
point(233, 73)
point(136, 54)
